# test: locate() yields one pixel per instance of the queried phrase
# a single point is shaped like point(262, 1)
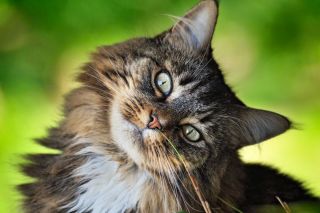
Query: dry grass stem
point(195, 185)
point(284, 205)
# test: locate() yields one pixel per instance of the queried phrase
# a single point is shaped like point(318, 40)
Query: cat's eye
point(191, 133)
point(163, 82)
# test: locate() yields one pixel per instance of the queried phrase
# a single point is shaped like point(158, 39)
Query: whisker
point(178, 188)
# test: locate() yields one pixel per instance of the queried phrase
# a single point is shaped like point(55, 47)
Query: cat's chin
point(151, 137)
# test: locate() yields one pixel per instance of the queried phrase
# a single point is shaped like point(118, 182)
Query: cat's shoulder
point(267, 185)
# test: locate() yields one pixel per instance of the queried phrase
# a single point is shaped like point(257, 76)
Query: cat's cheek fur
point(124, 134)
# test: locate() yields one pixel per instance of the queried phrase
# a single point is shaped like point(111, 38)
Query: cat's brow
point(206, 119)
point(152, 58)
point(202, 117)
point(186, 80)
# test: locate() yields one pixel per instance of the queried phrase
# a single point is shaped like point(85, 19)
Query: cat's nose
point(154, 122)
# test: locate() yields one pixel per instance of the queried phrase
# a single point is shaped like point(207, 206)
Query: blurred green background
point(268, 49)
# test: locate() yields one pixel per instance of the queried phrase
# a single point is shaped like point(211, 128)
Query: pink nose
point(154, 122)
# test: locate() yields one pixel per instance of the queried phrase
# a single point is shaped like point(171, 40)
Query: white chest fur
point(108, 190)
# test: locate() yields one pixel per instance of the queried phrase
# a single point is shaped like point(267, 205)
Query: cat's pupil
point(189, 131)
point(161, 82)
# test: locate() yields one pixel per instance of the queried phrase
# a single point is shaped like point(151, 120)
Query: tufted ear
point(194, 31)
point(257, 125)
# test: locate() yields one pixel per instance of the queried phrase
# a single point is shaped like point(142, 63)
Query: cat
point(151, 113)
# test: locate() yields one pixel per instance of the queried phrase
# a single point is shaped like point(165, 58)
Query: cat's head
point(166, 94)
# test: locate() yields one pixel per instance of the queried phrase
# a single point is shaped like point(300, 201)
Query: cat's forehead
point(197, 80)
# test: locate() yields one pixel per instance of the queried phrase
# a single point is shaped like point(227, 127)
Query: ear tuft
point(194, 31)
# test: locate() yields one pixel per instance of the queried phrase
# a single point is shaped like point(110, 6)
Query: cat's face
point(174, 97)
point(166, 95)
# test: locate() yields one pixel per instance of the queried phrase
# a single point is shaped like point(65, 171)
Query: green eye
point(163, 82)
point(191, 133)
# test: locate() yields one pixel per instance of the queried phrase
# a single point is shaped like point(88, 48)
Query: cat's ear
point(193, 32)
point(255, 125)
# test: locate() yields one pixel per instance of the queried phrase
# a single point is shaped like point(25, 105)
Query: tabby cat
point(143, 106)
